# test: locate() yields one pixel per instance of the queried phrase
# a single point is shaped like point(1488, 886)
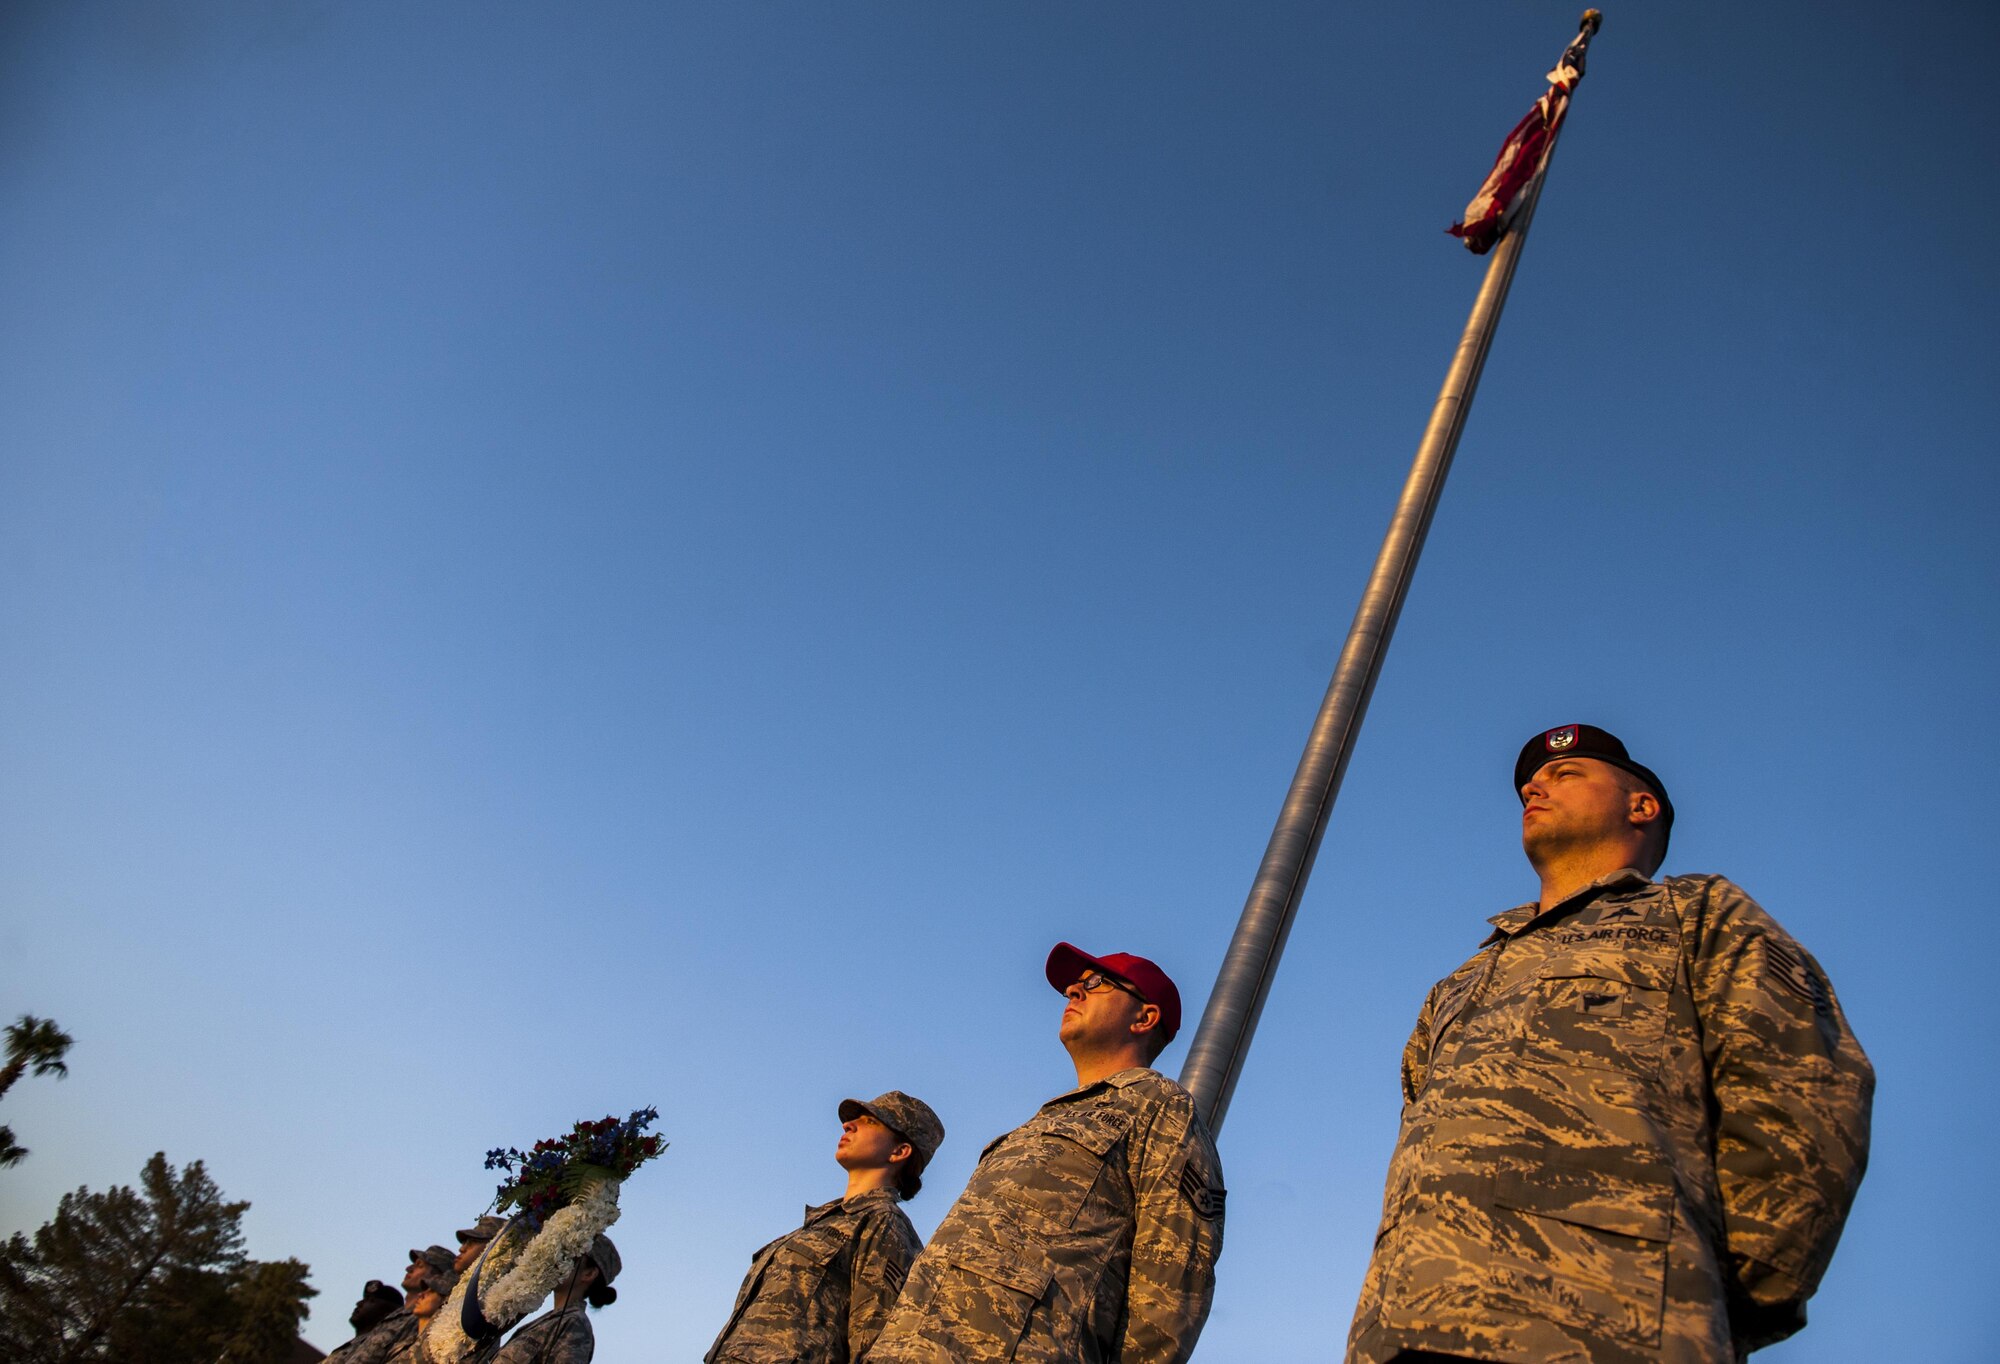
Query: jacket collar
point(1131, 1075)
point(1512, 922)
point(884, 1197)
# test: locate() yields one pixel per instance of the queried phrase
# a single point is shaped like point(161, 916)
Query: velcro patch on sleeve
point(1789, 970)
point(1207, 1201)
point(894, 1274)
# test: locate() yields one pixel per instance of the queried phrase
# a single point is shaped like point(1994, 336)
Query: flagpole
point(1215, 1057)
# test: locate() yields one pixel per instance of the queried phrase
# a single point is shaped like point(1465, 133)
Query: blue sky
point(561, 558)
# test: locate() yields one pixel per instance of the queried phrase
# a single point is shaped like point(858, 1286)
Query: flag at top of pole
point(1503, 213)
point(1526, 152)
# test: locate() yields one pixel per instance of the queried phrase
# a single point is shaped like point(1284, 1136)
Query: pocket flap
point(1008, 1269)
point(813, 1247)
point(1096, 1130)
point(1589, 1199)
point(1650, 972)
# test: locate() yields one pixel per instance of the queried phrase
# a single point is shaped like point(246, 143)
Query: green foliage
point(37, 1044)
point(32, 1044)
point(154, 1275)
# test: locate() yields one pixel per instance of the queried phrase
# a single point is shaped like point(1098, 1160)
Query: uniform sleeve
point(1178, 1191)
point(883, 1250)
point(1793, 1093)
point(1417, 1051)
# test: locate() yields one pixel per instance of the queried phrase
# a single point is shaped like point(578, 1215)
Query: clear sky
point(561, 557)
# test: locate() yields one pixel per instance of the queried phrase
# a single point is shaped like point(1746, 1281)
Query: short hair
point(1656, 830)
point(1155, 1039)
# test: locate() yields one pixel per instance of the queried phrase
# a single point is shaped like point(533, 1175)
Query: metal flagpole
point(1215, 1057)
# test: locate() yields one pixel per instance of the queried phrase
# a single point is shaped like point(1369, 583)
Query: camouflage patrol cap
point(605, 1256)
point(1067, 963)
point(910, 1118)
point(1588, 741)
point(439, 1274)
point(485, 1229)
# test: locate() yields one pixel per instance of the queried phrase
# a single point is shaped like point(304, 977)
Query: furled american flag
point(1526, 151)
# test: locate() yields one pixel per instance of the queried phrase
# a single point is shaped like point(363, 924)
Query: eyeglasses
point(1098, 980)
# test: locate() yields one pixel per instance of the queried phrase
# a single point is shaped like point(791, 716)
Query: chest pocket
point(808, 1251)
point(1604, 1012)
point(1065, 1157)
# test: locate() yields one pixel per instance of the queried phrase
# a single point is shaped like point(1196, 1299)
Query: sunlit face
point(424, 1303)
point(468, 1251)
point(1574, 802)
point(867, 1143)
point(414, 1276)
point(1098, 1012)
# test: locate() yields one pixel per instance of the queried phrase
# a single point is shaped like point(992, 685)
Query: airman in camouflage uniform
point(1089, 1234)
point(565, 1335)
point(395, 1338)
point(1633, 1122)
point(819, 1295)
point(377, 1302)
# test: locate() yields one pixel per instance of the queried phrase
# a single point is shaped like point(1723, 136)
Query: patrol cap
point(908, 1116)
point(442, 1276)
point(1067, 963)
point(485, 1229)
point(605, 1256)
point(1588, 741)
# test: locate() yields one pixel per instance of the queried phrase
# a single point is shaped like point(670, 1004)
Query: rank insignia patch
point(1207, 1202)
point(1786, 967)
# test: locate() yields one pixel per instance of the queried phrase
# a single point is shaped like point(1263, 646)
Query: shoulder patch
point(1207, 1201)
point(1786, 967)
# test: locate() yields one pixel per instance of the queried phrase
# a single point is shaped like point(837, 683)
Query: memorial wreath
point(563, 1191)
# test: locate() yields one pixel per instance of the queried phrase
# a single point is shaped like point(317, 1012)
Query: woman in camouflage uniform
point(563, 1335)
point(819, 1295)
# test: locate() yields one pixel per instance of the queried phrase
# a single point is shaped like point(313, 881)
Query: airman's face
point(867, 1143)
point(468, 1251)
point(414, 1275)
point(1574, 802)
point(424, 1303)
point(1098, 1011)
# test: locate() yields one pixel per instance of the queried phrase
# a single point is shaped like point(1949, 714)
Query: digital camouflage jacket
point(1632, 1128)
point(390, 1339)
point(564, 1336)
point(1087, 1235)
point(819, 1295)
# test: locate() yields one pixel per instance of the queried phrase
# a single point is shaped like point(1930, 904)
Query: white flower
point(511, 1286)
